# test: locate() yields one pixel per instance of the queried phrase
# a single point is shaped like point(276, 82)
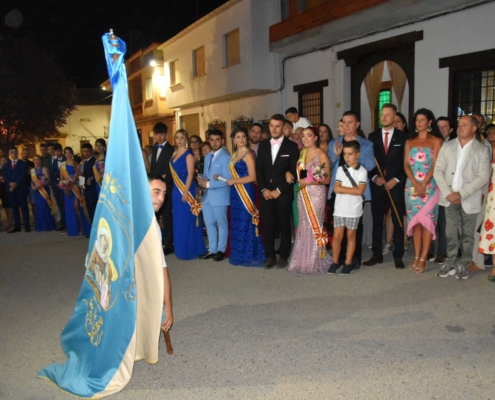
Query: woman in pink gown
point(309, 255)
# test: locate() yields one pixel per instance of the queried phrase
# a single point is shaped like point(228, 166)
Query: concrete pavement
point(248, 333)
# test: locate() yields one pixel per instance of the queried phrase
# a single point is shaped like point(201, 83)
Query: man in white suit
point(216, 199)
point(461, 171)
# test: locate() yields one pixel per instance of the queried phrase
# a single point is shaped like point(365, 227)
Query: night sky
point(72, 29)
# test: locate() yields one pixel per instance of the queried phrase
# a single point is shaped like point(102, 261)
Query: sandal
point(419, 269)
point(413, 264)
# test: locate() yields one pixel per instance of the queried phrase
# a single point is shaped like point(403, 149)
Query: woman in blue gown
point(246, 247)
point(99, 167)
point(188, 231)
point(76, 221)
point(40, 176)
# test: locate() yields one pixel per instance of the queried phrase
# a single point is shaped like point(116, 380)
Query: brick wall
point(319, 15)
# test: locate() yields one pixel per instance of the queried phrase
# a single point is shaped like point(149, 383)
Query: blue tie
point(160, 146)
point(211, 161)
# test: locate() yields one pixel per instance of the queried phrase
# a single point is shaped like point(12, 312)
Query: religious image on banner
point(119, 309)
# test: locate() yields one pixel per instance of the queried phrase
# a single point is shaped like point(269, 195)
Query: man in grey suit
point(461, 171)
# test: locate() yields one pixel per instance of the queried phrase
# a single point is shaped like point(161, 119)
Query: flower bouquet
point(316, 173)
point(64, 184)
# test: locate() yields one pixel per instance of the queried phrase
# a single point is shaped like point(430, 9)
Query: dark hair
point(353, 113)
point(57, 146)
point(316, 132)
point(278, 117)
point(352, 144)
point(216, 132)
point(87, 146)
point(153, 176)
point(330, 134)
point(103, 142)
point(287, 122)
point(291, 110)
point(44, 145)
point(258, 125)
point(203, 144)
point(489, 126)
point(197, 137)
point(160, 127)
point(70, 149)
point(77, 159)
point(431, 117)
point(453, 134)
point(403, 118)
point(390, 105)
point(237, 130)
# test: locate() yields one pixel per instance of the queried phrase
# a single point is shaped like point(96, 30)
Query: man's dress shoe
point(373, 261)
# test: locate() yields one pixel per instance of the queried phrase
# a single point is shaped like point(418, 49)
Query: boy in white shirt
point(350, 182)
point(297, 121)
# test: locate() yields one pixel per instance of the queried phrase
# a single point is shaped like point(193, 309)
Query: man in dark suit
point(57, 159)
point(160, 164)
point(388, 146)
point(15, 173)
point(90, 191)
point(275, 158)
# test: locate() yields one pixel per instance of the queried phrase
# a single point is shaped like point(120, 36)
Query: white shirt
point(158, 150)
point(349, 205)
point(461, 156)
point(302, 123)
point(276, 147)
point(390, 134)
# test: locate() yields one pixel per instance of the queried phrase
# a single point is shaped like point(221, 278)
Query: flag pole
point(389, 195)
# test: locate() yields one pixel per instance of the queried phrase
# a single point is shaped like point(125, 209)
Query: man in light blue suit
point(217, 196)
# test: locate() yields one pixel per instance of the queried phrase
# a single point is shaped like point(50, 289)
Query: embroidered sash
point(98, 177)
point(320, 233)
point(246, 200)
point(42, 190)
point(75, 189)
point(195, 207)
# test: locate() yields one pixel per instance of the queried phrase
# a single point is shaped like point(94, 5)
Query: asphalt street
point(248, 333)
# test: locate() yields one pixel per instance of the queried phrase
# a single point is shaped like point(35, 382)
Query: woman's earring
point(429, 128)
point(416, 130)
point(187, 145)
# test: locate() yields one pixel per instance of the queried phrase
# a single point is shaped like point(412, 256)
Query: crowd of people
point(298, 184)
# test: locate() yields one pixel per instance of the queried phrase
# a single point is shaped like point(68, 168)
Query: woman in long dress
point(487, 235)
point(246, 246)
point(99, 167)
point(44, 220)
point(309, 255)
point(76, 220)
point(188, 233)
point(421, 191)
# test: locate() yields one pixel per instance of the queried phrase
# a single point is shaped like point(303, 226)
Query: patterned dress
point(304, 258)
point(487, 235)
point(422, 210)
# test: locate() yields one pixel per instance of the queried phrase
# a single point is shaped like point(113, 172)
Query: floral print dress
point(421, 210)
point(487, 235)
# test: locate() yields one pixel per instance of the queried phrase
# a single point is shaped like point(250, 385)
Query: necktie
point(275, 141)
point(160, 146)
point(385, 143)
point(13, 164)
point(211, 161)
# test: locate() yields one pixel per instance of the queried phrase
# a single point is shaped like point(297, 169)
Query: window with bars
point(310, 104)
point(385, 97)
point(474, 92)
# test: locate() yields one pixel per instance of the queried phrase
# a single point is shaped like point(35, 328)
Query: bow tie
point(160, 146)
point(275, 141)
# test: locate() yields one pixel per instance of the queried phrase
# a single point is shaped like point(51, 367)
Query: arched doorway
point(385, 82)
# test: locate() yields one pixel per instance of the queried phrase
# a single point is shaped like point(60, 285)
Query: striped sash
point(75, 189)
point(98, 177)
point(320, 233)
point(42, 190)
point(195, 207)
point(246, 200)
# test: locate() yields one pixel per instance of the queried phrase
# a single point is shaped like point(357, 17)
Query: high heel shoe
point(413, 264)
point(419, 269)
